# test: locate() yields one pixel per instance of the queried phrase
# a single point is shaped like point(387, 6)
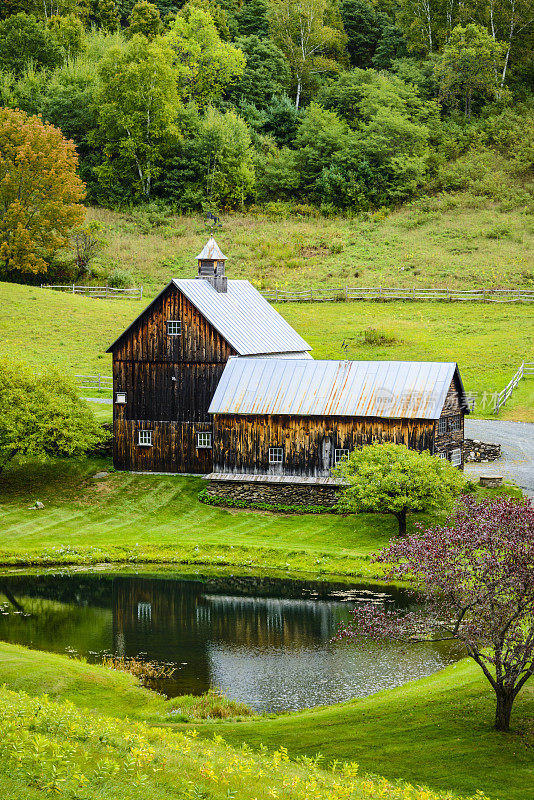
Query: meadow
point(456, 241)
point(488, 341)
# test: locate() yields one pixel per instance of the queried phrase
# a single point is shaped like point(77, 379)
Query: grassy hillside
point(447, 241)
point(488, 341)
point(55, 748)
point(136, 518)
point(100, 690)
point(127, 517)
point(435, 731)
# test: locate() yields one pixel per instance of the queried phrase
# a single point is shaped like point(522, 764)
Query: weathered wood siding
point(147, 340)
point(241, 443)
point(169, 383)
point(165, 391)
point(453, 437)
point(173, 447)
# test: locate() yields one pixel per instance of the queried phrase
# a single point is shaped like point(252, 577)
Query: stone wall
point(479, 452)
point(288, 494)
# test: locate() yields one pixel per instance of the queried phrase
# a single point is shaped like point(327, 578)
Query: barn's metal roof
point(243, 317)
point(394, 389)
point(211, 252)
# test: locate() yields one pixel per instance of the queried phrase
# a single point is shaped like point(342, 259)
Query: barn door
point(326, 455)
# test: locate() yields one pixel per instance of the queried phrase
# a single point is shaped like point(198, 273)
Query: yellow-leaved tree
point(40, 192)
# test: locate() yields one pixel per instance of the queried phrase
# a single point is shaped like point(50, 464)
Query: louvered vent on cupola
point(211, 265)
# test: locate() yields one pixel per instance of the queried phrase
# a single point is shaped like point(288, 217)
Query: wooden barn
point(211, 380)
point(168, 363)
point(287, 423)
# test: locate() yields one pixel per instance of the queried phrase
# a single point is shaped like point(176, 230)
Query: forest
point(343, 105)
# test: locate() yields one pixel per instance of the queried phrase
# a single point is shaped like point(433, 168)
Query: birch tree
point(137, 104)
point(508, 21)
point(310, 45)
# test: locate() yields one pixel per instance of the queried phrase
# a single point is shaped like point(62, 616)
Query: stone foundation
point(476, 452)
point(287, 494)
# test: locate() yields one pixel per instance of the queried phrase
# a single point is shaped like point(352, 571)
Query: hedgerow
point(282, 508)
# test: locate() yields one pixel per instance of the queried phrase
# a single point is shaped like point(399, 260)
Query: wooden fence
point(498, 399)
point(94, 381)
point(526, 368)
point(101, 292)
point(385, 293)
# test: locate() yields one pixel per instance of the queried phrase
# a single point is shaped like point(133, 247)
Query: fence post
point(73, 288)
point(311, 293)
point(346, 292)
point(141, 295)
point(99, 381)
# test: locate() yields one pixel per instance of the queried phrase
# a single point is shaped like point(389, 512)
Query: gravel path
point(517, 443)
point(99, 400)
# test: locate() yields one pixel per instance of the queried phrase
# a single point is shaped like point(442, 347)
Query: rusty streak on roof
point(304, 387)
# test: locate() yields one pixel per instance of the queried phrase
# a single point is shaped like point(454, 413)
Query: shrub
point(120, 279)
point(499, 231)
point(281, 508)
point(376, 337)
point(211, 705)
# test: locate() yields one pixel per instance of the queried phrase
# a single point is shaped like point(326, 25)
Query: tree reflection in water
point(262, 641)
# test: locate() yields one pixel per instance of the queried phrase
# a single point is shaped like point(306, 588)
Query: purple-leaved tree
point(476, 574)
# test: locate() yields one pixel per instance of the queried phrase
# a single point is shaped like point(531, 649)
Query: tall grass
point(456, 241)
point(57, 749)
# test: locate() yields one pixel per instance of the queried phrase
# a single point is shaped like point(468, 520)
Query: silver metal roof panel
point(304, 387)
point(243, 317)
point(211, 252)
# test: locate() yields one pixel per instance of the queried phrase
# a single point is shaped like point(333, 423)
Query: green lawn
point(436, 731)
point(126, 517)
point(488, 341)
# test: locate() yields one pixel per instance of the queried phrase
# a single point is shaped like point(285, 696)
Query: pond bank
point(435, 731)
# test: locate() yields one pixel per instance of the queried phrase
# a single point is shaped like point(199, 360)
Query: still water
point(265, 642)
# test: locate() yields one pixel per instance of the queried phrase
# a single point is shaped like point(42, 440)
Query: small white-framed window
point(339, 455)
point(144, 612)
point(276, 455)
point(456, 457)
point(442, 425)
point(174, 327)
point(455, 423)
point(144, 438)
point(443, 456)
point(120, 398)
point(204, 440)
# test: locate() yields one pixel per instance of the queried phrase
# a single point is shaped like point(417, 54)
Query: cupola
point(211, 265)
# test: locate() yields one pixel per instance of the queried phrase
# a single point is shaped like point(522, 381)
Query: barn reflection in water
point(262, 641)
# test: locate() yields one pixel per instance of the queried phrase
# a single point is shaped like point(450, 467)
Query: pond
point(262, 641)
